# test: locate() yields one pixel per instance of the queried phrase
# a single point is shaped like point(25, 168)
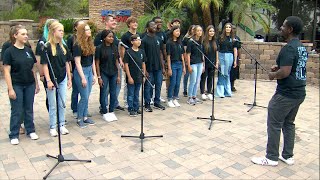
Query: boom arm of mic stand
point(253, 58)
point(55, 82)
point(140, 69)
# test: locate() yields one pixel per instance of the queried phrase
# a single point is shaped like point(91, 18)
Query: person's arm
point(69, 75)
point(118, 68)
point(281, 73)
point(217, 59)
point(94, 70)
point(7, 77)
point(235, 54)
point(183, 64)
point(130, 79)
point(40, 68)
point(97, 64)
point(188, 63)
point(77, 60)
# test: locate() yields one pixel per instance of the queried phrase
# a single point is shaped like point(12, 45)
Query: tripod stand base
point(253, 105)
point(212, 118)
point(60, 159)
point(141, 137)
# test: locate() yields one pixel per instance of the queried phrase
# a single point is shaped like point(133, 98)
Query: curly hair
point(85, 43)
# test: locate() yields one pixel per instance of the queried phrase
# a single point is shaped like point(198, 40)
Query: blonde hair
point(53, 40)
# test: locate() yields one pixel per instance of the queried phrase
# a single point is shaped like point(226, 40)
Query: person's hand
point(164, 72)
point(50, 85)
point(274, 68)
point(217, 66)
point(235, 64)
point(272, 75)
point(121, 63)
point(118, 80)
point(12, 94)
point(169, 72)
point(184, 71)
point(130, 81)
point(100, 82)
point(94, 80)
point(189, 69)
point(37, 89)
point(147, 74)
point(84, 82)
point(69, 84)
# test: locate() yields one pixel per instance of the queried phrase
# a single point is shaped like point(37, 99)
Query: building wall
point(96, 6)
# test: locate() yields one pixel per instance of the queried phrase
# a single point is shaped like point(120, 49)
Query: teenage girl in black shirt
point(22, 83)
point(59, 57)
point(210, 50)
point(185, 40)
point(108, 72)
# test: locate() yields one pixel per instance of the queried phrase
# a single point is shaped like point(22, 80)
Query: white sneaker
point(289, 161)
point(14, 141)
point(264, 161)
point(170, 104)
point(34, 136)
point(176, 103)
point(53, 132)
point(210, 97)
point(75, 115)
point(151, 101)
point(113, 116)
point(204, 97)
point(162, 99)
point(64, 130)
point(107, 117)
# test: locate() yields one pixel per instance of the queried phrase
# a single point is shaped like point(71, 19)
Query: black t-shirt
point(185, 41)
point(293, 54)
point(5, 46)
point(152, 46)
point(85, 60)
point(39, 47)
point(58, 62)
point(21, 62)
point(125, 38)
point(98, 39)
point(139, 56)
point(175, 50)
point(227, 45)
point(108, 61)
point(70, 42)
point(211, 54)
point(162, 35)
point(196, 56)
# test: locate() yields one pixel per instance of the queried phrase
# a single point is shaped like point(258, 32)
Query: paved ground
point(188, 150)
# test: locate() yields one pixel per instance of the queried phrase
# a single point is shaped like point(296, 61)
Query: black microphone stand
point(141, 136)
point(211, 118)
point(59, 157)
point(252, 105)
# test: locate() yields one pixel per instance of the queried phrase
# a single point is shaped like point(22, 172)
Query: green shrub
point(24, 11)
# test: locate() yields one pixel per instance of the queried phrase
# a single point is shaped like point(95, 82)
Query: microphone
point(43, 45)
point(124, 45)
point(194, 42)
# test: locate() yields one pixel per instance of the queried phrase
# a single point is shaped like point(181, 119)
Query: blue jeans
point(111, 82)
point(133, 96)
point(52, 104)
point(175, 79)
point(118, 90)
point(106, 100)
point(155, 78)
point(195, 79)
point(223, 85)
point(22, 104)
point(185, 80)
point(84, 91)
point(74, 96)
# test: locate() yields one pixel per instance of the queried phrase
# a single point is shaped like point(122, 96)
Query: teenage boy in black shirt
point(290, 73)
point(153, 47)
point(133, 73)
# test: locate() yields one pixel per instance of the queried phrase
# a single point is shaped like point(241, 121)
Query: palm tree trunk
point(207, 16)
point(216, 17)
point(195, 18)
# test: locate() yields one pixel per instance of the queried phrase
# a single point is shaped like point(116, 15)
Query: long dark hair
point(206, 41)
point(224, 36)
point(171, 34)
point(104, 53)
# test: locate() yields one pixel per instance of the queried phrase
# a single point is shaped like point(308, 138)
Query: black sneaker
point(233, 89)
point(120, 108)
point(159, 106)
point(138, 111)
point(148, 108)
point(185, 94)
point(89, 121)
point(132, 114)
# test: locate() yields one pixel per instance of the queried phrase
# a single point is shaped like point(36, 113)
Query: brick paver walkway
point(188, 149)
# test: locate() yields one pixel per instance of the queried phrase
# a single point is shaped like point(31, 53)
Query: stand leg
point(45, 177)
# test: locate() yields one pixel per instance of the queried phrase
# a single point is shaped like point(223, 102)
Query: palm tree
point(251, 9)
point(193, 5)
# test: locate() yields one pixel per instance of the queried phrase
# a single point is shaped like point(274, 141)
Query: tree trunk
point(216, 17)
point(195, 18)
point(207, 16)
